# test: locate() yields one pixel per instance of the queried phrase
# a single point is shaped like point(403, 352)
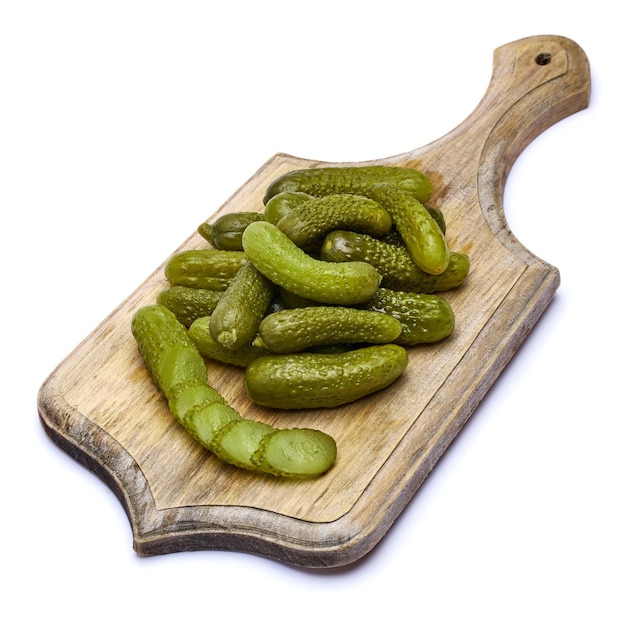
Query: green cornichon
point(225, 232)
point(204, 268)
point(283, 203)
point(436, 213)
point(288, 266)
point(189, 303)
point(323, 181)
point(425, 318)
point(422, 236)
point(294, 330)
point(235, 319)
point(306, 380)
point(394, 262)
point(438, 216)
point(179, 372)
point(211, 349)
point(307, 224)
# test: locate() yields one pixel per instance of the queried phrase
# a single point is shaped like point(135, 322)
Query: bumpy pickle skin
point(289, 267)
point(425, 318)
point(179, 372)
point(189, 303)
point(323, 181)
point(235, 319)
point(393, 261)
point(307, 224)
point(307, 380)
point(420, 232)
point(295, 330)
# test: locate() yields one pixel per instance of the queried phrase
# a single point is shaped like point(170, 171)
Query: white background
point(124, 124)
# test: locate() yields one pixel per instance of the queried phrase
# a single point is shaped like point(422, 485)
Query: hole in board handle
point(543, 59)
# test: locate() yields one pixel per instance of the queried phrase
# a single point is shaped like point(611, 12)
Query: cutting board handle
point(536, 82)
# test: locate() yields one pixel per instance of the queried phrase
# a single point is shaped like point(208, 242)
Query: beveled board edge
point(293, 541)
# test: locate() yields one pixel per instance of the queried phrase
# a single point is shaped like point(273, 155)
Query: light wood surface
point(100, 406)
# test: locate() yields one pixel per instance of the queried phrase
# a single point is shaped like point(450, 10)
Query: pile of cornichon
point(317, 297)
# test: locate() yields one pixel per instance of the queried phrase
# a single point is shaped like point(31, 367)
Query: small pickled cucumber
point(288, 266)
point(283, 203)
point(393, 261)
point(225, 232)
point(314, 380)
point(425, 318)
point(422, 236)
point(235, 319)
point(180, 373)
point(308, 223)
point(189, 303)
point(294, 330)
point(210, 349)
point(323, 181)
point(204, 268)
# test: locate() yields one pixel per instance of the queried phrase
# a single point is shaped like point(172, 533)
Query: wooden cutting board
point(100, 406)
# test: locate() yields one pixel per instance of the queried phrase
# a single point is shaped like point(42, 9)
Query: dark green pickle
point(225, 232)
point(189, 303)
point(393, 262)
point(323, 181)
point(425, 318)
point(204, 268)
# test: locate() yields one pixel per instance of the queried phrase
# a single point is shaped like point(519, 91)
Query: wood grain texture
point(100, 406)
